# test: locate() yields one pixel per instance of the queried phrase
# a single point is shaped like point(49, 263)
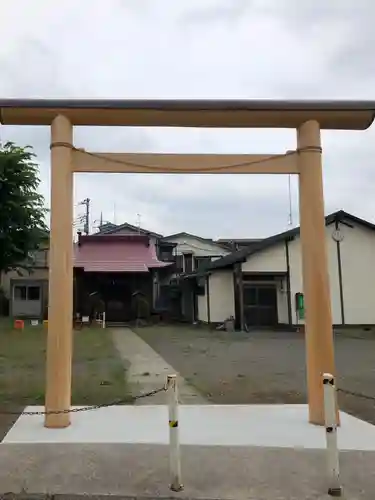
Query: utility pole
point(139, 223)
point(86, 227)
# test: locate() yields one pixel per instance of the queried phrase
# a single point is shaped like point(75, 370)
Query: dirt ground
point(263, 366)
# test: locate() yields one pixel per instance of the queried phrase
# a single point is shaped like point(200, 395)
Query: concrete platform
point(260, 452)
point(284, 426)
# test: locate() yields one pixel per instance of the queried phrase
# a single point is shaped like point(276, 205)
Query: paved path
point(146, 370)
point(141, 471)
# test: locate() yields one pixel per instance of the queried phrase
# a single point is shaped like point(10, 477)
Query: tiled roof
point(110, 228)
point(128, 254)
point(242, 255)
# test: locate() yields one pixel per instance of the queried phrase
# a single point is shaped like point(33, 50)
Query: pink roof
point(125, 253)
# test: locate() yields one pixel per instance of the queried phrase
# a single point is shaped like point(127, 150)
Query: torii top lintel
point(251, 113)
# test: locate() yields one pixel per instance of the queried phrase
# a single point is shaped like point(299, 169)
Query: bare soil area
point(263, 366)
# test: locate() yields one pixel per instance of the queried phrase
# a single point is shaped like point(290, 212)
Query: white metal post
point(329, 389)
point(103, 319)
point(174, 442)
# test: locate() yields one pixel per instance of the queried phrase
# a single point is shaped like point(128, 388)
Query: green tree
point(22, 210)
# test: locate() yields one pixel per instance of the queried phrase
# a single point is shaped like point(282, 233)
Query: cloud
point(192, 49)
point(215, 10)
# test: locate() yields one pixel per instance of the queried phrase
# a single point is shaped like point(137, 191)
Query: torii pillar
point(315, 275)
point(60, 310)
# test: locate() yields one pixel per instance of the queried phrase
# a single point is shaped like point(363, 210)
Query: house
point(192, 253)
point(262, 285)
point(118, 268)
point(114, 264)
point(184, 252)
point(164, 249)
point(26, 290)
point(238, 243)
point(200, 279)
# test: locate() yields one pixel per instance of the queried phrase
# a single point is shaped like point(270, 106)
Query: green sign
point(300, 303)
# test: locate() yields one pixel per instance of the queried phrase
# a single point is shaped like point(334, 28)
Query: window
point(20, 292)
point(201, 262)
point(166, 252)
point(166, 255)
point(33, 293)
point(188, 262)
point(26, 292)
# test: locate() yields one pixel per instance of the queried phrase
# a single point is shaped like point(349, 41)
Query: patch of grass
point(98, 375)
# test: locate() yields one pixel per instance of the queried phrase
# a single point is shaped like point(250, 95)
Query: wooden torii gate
point(308, 118)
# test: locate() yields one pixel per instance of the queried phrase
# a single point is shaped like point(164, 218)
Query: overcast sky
point(230, 49)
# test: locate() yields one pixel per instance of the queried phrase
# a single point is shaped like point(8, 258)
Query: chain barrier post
point(174, 442)
point(329, 390)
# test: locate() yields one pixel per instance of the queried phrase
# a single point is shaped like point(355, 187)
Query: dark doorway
point(170, 301)
point(187, 289)
point(260, 304)
point(120, 293)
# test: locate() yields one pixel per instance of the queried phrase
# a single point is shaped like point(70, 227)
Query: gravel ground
point(263, 366)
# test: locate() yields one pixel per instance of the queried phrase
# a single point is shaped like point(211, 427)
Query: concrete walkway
point(146, 370)
point(142, 471)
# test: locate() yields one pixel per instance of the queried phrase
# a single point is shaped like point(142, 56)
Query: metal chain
point(356, 394)
point(139, 396)
point(151, 393)
point(86, 408)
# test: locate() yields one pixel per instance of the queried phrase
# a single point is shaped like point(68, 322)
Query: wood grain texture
point(60, 312)
point(318, 319)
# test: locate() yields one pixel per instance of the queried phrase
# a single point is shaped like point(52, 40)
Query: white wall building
point(192, 254)
point(269, 275)
point(192, 251)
